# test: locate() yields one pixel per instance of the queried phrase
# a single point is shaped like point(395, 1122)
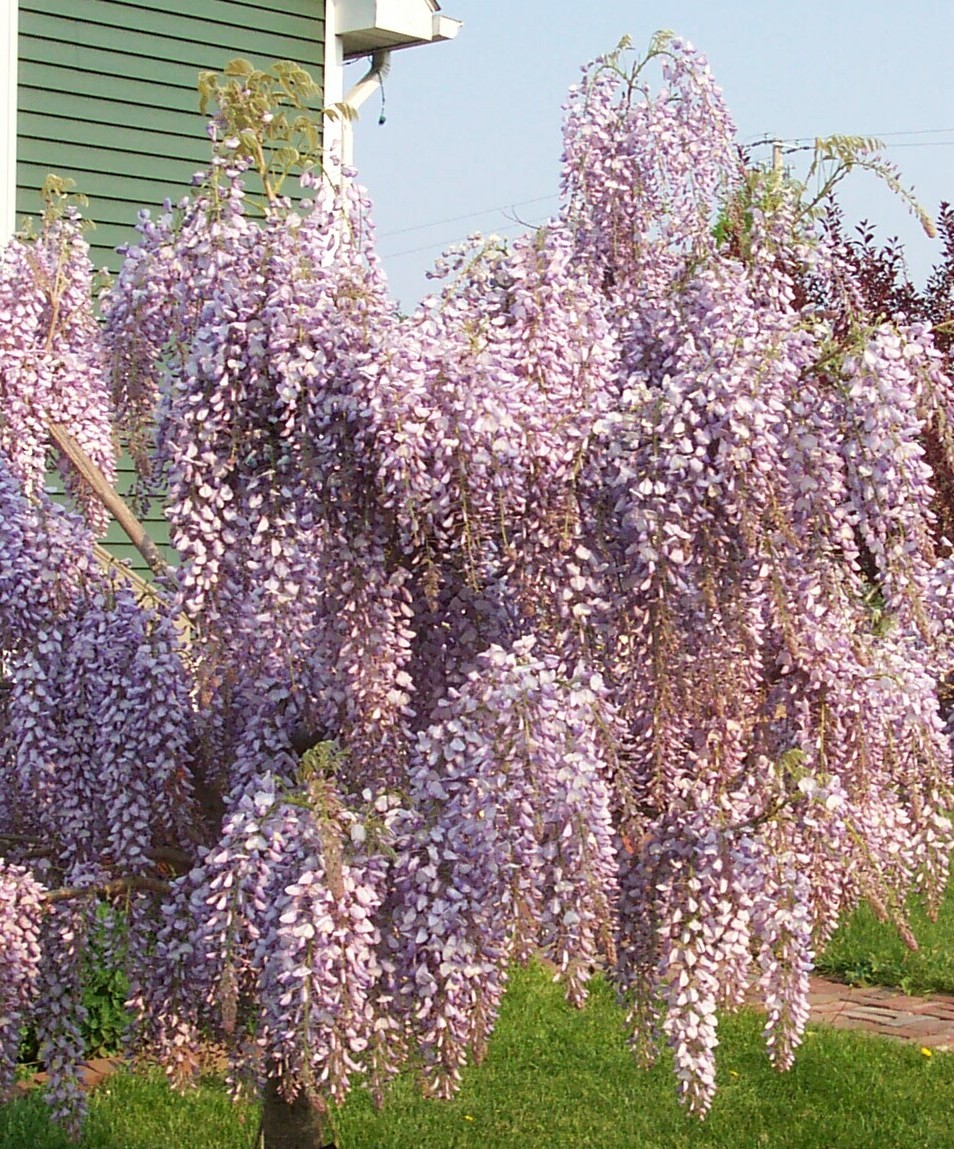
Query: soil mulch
point(92, 1073)
point(96, 1070)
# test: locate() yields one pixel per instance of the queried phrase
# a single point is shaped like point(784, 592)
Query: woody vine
point(599, 609)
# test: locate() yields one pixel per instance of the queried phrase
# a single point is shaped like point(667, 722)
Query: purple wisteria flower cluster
point(52, 363)
point(598, 611)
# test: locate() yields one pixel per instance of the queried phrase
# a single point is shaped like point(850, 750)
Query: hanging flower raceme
point(97, 722)
point(487, 405)
point(52, 367)
point(734, 479)
point(94, 760)
point(644, 172)
point(511, 850)
point(273, 938)
point(21, 913)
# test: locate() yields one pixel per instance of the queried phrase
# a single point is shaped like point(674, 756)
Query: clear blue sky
point(473, 126)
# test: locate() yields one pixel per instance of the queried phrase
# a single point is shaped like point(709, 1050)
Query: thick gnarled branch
point(113, 502)
point(179, 859)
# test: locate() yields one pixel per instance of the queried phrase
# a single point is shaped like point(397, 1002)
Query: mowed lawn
point(557, 1078)
point(865, 950)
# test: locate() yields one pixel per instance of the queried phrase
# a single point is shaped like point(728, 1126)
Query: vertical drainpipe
point(8, 117)
point(338, 131)
point(333, 90)
point(369, 83)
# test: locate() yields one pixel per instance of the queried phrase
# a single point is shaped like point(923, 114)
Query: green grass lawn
point(556, 1078)
point(866, 951)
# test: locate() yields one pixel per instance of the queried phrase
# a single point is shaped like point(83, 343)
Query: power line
point(914, 132)
point(796, 144)
point(469, 215)
point(809, 141)
point(445, 243)
point(925, 144)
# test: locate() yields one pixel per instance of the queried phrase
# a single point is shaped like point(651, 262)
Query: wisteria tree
point(597, 611)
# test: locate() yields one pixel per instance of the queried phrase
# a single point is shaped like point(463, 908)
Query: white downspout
point(333, 88)
point(365, 87)
point(8, 118)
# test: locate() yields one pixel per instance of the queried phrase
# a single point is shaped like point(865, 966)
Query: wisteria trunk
point(297, 1124)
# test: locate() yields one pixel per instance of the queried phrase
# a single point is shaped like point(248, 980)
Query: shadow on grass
point(135, 1111)
point(556, 1078)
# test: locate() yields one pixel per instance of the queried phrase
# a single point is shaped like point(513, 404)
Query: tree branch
point(147, 594)
point(109, 889)
point(172, 857)
point(168, 855)
point(96, 480)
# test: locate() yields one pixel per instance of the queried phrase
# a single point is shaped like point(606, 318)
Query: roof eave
point(367, 26)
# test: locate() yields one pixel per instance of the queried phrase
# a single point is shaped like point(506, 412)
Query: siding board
point(245, 10)
point(109, 100)
point(67, 83)
point(298, 21)
point(48, 101)
point(185, 40)
point(36, 131)
point(96, 66)
point(103, 193)
point(75, 154)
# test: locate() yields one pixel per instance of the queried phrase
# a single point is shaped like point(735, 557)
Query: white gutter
point(443, 28)
point(366, 25)
point(375, 28)
point(8, 117)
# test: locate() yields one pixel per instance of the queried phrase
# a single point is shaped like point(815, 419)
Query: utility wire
point(810, 140)
point(469, 215)
point(446, 243)
point(925, 144)
point(796, 144)
point(913, 132)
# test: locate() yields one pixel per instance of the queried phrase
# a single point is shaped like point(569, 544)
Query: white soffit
point(368, 25)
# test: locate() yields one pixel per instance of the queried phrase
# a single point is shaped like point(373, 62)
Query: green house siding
point(117, 541)
point(107, 94)
point(107, 97)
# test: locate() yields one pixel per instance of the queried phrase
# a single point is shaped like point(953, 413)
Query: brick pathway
point(927, 1020)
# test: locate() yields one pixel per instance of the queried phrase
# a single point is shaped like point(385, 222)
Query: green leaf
point(238, 67)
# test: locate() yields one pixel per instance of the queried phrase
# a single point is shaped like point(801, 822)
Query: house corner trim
point(8, 117)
